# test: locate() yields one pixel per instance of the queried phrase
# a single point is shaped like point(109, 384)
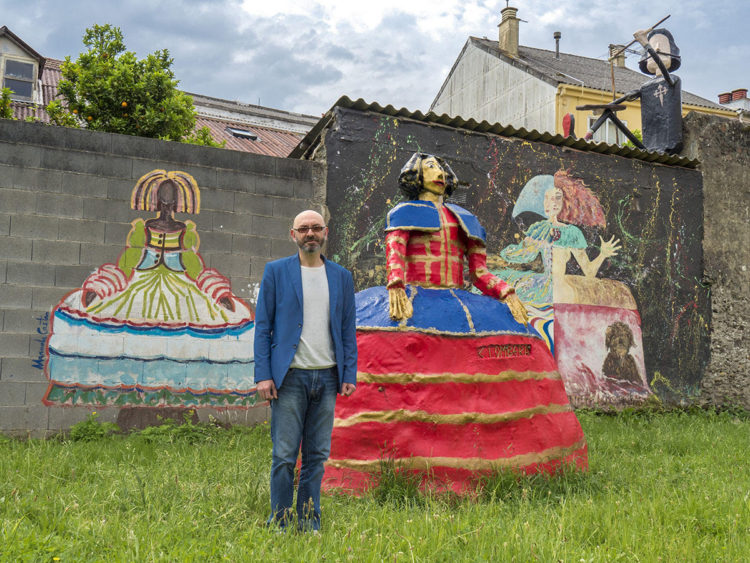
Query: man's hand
point(347, 389)
point(267, 390)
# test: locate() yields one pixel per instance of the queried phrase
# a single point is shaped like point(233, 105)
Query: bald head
point(308, 218)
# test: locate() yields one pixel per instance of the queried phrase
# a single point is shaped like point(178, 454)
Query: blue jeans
point(303, 414)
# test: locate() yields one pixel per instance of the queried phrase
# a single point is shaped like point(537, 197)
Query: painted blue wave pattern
point(115, 372)
point(200, 332)
point(54, 352)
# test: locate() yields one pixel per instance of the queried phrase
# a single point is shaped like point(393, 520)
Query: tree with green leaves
point(109, 89)
point(6, 110)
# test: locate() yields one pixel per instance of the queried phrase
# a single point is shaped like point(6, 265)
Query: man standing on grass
point(305, 352)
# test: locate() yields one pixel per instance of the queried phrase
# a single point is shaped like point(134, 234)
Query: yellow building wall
point(568, 97)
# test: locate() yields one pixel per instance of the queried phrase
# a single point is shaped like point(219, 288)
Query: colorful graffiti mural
point(158, 328)
point(632, 257)
point(451, 384)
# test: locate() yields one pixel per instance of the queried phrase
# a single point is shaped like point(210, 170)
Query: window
point(242, 133)
point(19, 77)
point(608, 133)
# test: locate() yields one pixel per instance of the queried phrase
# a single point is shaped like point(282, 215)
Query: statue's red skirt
point(458, 392)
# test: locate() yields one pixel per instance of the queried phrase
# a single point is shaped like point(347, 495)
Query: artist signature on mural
point(43, 331)
point(495, 351)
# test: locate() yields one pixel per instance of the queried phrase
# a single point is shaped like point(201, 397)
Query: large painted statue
point(579, 316)
point(157, 328)
point(451, 384)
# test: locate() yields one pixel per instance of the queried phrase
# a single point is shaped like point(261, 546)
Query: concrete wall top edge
point(20, 132)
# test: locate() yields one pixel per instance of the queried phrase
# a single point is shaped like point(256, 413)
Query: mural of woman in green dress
point(158, 327)
point(161, 261)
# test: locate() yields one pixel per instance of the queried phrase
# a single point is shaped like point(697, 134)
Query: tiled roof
point(51, 76)
point(575, 70)
point(214, 113)
point(314, 137)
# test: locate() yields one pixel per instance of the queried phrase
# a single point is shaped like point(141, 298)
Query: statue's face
point(433, 176)
point(553, 202)
point(660, 44)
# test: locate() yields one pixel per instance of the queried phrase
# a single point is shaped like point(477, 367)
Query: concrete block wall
point(64, 211)
point(723, 148)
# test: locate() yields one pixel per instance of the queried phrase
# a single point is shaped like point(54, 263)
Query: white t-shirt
point(315, 348)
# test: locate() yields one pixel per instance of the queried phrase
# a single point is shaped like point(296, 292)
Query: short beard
point(310, 249)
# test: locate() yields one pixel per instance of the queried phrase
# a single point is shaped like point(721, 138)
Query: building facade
point(504, 82)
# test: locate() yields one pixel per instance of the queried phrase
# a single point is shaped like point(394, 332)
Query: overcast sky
point(302, 55)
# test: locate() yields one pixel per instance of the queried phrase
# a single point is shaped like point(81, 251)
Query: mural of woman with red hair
point(533, 265)
point(572, 312)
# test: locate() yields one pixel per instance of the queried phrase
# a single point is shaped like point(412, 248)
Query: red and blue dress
point(461, 388)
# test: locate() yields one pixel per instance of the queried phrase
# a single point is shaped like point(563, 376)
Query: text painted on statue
point(499, 351)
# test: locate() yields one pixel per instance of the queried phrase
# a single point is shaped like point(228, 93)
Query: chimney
point(509, 31)
point(557, 35)
point(739, 94)
point(619, 60)
point(725, 98)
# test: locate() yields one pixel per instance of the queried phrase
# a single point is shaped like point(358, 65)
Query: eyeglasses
point(314, 229)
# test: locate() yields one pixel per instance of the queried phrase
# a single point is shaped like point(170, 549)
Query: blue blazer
point(278, 320)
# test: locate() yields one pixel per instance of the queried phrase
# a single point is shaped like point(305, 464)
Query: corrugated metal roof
point(575, 70)
point(253, 115)
point(270, 142)
point(304, 148)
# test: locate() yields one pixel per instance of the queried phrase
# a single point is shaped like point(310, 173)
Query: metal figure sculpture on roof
point(661, 97)
point(661, 103)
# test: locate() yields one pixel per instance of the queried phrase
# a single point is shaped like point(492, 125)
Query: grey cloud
point(300, 63)
point(338, 52)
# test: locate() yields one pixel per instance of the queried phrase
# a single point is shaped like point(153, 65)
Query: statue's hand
point(399, 306)
point(641, 36)
point(610, 247)
point(517, 308)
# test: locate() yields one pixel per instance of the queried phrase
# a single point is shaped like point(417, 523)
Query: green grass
point(661, 487)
